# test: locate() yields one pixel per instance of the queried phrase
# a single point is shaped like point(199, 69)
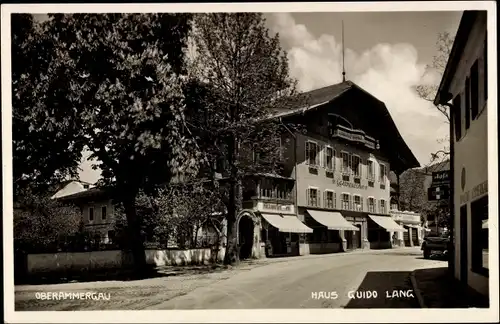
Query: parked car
point(436, 244)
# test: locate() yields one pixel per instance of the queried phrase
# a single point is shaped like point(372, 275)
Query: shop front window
point(479, 227)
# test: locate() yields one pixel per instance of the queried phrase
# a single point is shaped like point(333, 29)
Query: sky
point(385, 53)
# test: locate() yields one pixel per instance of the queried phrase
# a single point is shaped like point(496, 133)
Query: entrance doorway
point(245, 237)
point(353, 238)
point(463, 245)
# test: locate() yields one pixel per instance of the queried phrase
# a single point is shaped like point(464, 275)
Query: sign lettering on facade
point(342, 183)
point(476, 191)
point(275, 206)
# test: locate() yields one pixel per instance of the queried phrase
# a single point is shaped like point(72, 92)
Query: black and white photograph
point(250, 162)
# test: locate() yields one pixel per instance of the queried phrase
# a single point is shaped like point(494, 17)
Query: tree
point(114, 82)
point(45, 146)
point(413, 195)
point(177, 212)
point(428, 92)
point(240, 75)
point(42, 224)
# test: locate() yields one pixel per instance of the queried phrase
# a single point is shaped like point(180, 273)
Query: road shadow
point(393, 289)
point(123, 274)
point(440, 289)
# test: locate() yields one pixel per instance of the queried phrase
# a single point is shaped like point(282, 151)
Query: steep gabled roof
point(317, 99)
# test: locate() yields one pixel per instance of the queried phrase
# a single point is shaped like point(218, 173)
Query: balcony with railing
point(354, 135)
point(269, 193)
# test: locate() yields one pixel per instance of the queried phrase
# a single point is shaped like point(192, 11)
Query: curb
point(417, 291)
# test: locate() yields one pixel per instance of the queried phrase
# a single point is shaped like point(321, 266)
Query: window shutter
point(318, 155)
point(334, 200)
point(324, 199)
point(334, 160)
point(374, 205)
point(307, 152)
point(308, 197)
point(325, 157)
point(319, 198)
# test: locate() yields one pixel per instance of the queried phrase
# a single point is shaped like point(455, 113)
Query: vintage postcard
point(250, 162)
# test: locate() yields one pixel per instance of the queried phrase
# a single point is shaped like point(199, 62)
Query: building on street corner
point(464, 88)
point(414, 231)
point(334, 192)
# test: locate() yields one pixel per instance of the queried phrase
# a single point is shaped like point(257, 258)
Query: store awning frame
point(286, 223)
point(332, 220)
point(387, 222)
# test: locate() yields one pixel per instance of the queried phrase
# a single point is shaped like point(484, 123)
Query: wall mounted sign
point(342, 183)
point(438, 192)
point(441, 177)
point(275, 206)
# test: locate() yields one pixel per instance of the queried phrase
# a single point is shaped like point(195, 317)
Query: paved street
point(283, 283)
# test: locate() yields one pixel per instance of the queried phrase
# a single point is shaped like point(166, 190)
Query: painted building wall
point(99, 225)
point(319, 180)
point(471, 149)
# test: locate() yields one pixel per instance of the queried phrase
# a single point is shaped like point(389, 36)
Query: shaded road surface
point(304, 282)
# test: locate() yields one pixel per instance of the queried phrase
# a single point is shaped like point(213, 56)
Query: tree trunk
point(232, 255)
point(135, 240)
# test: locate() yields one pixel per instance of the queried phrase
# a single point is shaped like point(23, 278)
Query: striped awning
point(286, 224)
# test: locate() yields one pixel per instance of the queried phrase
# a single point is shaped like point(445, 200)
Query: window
point(356, 166)
point(358, 204)
point(103, 213)
point(329, 158)
point(85, 186)
point(457, 105)
point(382, 175)
point(345, 168)
point(91, 214)
point(346, 202)
point(313, 197)
point(312, 156)
point(371, 170)
point(474, 88)
point(382, 207)
point(330, 199)
point(479, 237)
point(371, 205)
point(467, 103)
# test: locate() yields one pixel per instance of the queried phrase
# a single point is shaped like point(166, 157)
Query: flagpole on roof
point(343, 54)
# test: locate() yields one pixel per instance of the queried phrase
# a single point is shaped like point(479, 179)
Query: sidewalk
point(437, 288)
